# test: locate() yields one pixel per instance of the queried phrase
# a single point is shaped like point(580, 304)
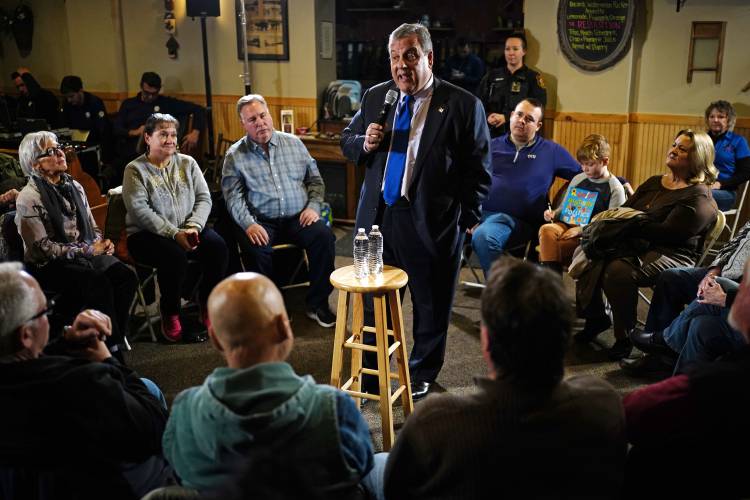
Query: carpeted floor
point(176, 367)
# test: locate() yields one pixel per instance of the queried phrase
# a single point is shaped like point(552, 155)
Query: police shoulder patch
point(540, 81)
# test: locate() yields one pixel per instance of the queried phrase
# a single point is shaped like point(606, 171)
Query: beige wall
point(651, 78)
point(50, 54)
point(83, 37)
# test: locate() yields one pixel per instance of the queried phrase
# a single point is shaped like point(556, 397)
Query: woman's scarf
point(53, 198)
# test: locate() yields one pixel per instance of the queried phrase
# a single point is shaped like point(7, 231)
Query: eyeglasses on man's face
point(48, 309)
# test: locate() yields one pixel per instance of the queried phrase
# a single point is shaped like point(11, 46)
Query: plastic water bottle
point(376, 251)
point(361, 264)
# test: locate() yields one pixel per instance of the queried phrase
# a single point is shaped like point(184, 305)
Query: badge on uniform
point(540, 81)
point(515, 87)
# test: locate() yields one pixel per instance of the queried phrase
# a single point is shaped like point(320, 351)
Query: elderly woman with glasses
point(168, 204)
point(63, 248)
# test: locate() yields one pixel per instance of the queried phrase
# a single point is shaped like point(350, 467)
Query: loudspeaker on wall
point(198, 8)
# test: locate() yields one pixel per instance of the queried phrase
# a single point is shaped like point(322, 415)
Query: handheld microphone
point(390, 98)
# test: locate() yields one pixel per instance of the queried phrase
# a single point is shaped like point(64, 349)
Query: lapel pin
point(440, 109)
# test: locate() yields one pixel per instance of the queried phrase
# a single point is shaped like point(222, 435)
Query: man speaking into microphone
point(427, 162)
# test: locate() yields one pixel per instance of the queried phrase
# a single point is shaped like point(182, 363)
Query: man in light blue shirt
point(274, 192)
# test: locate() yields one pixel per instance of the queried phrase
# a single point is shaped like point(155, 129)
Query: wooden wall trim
point(590, 117)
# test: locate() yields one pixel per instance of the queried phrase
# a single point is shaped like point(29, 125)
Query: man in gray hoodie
point(257, 406)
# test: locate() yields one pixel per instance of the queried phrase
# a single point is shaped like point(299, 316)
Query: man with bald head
point(258, 405)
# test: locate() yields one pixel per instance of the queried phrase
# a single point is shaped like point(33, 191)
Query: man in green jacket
point(257, 406)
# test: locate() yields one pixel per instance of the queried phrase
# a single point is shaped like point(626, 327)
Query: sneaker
point(620, 349)
point(592, 328)
point(171, 328)
point(323, 316)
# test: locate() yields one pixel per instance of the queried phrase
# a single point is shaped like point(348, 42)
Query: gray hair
point(31, 147)
point(249, 99)
point(17, 303)
point(406, 29)
point(723, 107)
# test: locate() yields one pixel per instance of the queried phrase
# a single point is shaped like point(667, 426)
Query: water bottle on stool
point(361, 251)
point(376, 251)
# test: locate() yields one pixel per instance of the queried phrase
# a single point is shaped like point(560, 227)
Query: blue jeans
point(724, 198)
point(153, 472)
point(675, 288)
point(496, 232)
point(701, 333)
point(374, 481)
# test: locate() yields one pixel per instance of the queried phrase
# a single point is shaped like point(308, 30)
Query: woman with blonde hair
point(679, 211)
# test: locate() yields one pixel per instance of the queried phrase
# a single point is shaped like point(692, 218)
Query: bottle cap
point(361, 230)
point(374, 227)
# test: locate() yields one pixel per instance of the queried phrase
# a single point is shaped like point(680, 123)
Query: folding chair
point(114, 230)
point(736, 211)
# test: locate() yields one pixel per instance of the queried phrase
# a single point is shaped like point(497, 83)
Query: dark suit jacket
point(451, 174)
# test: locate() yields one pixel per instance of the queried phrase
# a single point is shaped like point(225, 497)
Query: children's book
point(578, 206)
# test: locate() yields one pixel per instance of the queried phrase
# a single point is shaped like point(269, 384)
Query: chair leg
point(402, 359)
point(339, 338)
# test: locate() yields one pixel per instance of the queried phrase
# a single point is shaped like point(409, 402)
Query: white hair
point(17, 301)
point(31, 147)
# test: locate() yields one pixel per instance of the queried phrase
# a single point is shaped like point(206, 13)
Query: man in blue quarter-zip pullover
point(524, 165)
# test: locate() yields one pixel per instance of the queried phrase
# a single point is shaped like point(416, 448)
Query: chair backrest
point(712, 236)
point(114, 225)
point(737, 210)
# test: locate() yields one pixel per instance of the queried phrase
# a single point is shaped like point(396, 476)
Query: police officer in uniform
point(85, 111)
point(502, 89)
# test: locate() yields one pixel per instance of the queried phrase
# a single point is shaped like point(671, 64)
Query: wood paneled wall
point(226, 121)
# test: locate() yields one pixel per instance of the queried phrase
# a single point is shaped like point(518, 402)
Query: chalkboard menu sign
point(595, 34)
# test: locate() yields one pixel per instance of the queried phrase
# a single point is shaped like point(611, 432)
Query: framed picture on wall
point(267, 29)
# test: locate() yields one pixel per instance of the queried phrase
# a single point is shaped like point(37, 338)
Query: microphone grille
point(391, 97)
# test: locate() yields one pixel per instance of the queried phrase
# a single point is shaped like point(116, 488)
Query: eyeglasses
point(46, 312)
point(53, 151)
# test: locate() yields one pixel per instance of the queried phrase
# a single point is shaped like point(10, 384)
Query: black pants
point(101, 283)
point(318, 241)
point(432, 285)
point(171, 263)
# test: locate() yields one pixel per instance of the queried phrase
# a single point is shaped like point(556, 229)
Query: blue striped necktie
point(394, 170)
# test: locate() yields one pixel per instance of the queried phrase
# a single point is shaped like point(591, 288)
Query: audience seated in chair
point(257, 405)
point(689, 433)
point(168, 204)
point(274, 193)
point(524, 166)
point(679, 212)
point(63, 247)
point(83, 110)
point(527, 432)
point(134, 111)
point(701, 332)
point(558, 239)
point(732, 153)
point(74, 423)
point(12, 180)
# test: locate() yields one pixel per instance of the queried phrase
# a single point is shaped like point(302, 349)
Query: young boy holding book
point(588, 193)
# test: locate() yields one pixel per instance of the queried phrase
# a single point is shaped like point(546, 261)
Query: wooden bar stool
point(384, 289)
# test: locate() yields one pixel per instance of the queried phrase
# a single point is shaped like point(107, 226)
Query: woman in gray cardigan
point(168, 204)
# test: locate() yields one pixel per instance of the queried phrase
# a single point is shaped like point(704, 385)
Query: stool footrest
point(358, 394)
point(370, 371)
point(351, 344)
point(397, 393)
point(371, 329)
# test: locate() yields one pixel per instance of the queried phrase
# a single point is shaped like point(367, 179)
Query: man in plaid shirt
point(274, 193)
